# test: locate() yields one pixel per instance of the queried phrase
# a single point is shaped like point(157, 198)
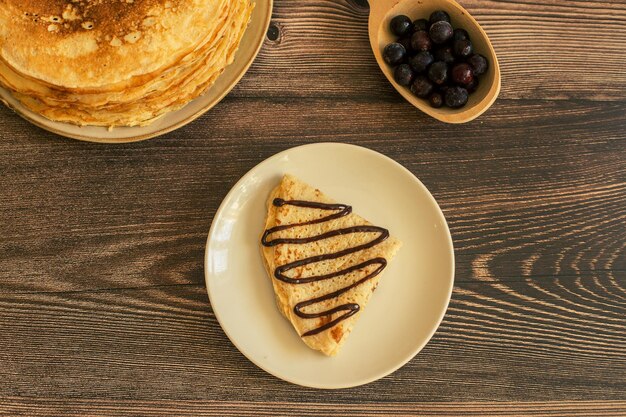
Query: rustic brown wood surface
point(103, 307)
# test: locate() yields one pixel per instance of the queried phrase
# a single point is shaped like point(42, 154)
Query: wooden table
point(103, 307)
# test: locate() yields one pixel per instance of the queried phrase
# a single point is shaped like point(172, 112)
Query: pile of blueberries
point(435, 60)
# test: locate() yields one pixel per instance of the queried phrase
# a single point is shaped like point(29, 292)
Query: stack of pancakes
point(115, 62)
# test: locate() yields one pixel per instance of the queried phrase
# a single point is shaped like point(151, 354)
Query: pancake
point(116, 62)
point(324, 262)
point(59, 41)
point(123, 88)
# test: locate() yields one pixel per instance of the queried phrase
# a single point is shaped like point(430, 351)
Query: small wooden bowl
point(381, 13)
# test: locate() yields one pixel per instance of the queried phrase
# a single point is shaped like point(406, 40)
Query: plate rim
point(24, 113)
point(451, 259)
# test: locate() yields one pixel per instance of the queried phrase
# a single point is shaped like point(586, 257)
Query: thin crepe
point(181, 49)
point(288, 295)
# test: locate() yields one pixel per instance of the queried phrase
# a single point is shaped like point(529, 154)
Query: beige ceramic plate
point(402, 315)
point(249, 47)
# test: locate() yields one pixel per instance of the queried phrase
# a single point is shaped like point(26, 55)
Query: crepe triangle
point(324, 262)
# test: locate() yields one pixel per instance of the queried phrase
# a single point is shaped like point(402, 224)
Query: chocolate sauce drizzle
point(340, 210)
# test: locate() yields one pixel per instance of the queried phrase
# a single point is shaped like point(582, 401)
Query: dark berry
point(440, 32)
point(436, 100)
point(420, 41)
point(439, 16)
point(455, 97)
point(438, 72)
point(462, 74)
point(421, 24)
point(401, 25)
point(394, 53)
point(473, 86)
point(422, 87)
point(406, 42)
point(462, 48)
point(460, 34)
point(479, 63)
point(403, 74)
point(421, 61)
point(444, 54)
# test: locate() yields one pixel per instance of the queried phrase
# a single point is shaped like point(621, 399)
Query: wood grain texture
point(554, 50)
point(491, 177)
point(103, 309)
point(497, 341)
point(46, 407)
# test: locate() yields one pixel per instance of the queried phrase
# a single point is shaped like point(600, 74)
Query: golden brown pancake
point(324, 262)
point(115, 62)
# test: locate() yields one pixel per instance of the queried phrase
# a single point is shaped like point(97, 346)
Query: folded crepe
point(324, 262)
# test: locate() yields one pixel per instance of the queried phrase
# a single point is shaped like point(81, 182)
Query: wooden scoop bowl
point(381, 13)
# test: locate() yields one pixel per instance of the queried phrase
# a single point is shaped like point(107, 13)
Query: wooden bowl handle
point(380, 7)
point(378, 10)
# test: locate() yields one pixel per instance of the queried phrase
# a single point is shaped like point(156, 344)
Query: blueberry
point(403, 74)
point(473, 86)
point(436, 100)
point(462, 74)
point(444, 53)
point(456, 97)
point(406, 42)
point(440, 32)
point(394, 53)
point(421, 61)
point(479, 63)
point(460, 35)
point(462, 48)
point(439, 16)
point(401, 25)
point(422, 87)
point(420, 41)
point(438, 72)
point(442, 89)
point(421, 24)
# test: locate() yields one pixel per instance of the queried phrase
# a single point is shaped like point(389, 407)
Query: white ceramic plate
point(248, 49)
point(403, 313)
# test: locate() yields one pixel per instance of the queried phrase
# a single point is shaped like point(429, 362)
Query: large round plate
point(401, 316)
point(248, 49)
